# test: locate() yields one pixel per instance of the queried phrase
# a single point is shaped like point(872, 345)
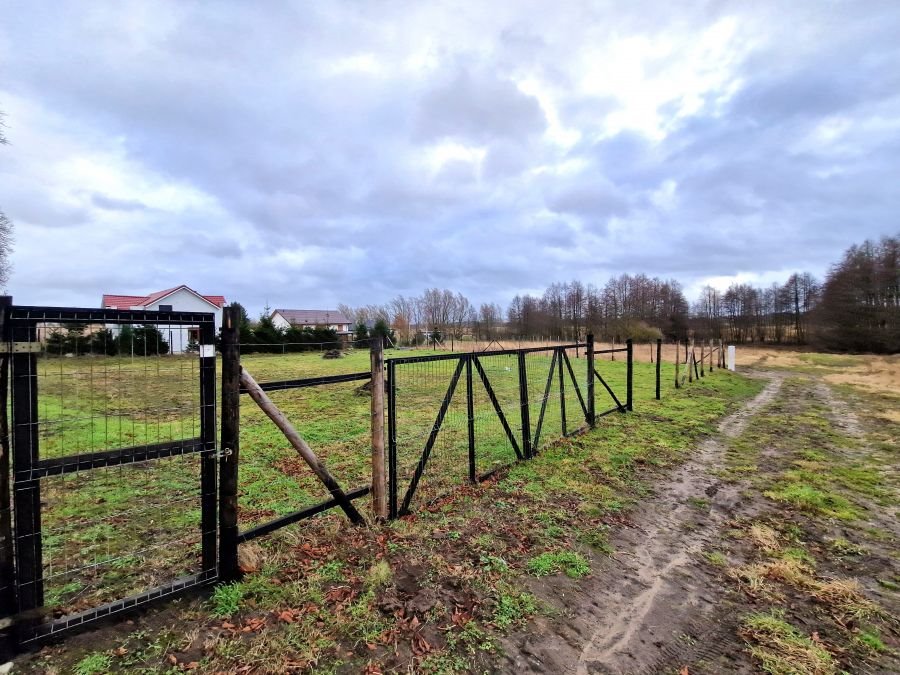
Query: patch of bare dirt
point(655, 601)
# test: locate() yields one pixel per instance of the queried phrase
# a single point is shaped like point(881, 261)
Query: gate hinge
point(20, 347)
point(223, 452)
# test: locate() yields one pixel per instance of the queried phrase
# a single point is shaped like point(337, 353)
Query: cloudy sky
point(310, 153)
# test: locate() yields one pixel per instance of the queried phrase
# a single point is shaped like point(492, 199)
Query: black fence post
point(658, 365)
point(560, 357)
point(629, 402)
point(27, 493)
point(208, 466)
point(392, 437)
point(470, 418)
point(591, 410)
point(7, 569)
point(230, 444)
point(523, 403)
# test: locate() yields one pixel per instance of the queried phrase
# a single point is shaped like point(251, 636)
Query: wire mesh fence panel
point(431, 428)
point(614, 375)
point(111, 387)
point(118, 531)
point(543, 397)
point(573, 372)
point(496, 445)
point(113, 430)
point(333, 418)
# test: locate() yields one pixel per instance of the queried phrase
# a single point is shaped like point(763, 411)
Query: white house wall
point(184, 301)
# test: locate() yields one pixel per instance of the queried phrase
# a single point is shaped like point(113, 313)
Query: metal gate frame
point(21, 345)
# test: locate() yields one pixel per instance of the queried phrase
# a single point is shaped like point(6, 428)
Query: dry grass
point(781, 649)
point(756, 579)
point(845, 600)
point(875, 373)
point(764, 538)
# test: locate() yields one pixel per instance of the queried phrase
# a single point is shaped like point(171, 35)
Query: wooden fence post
point(379, 476)
point(658, 365)
point(677, 364)
point(301, 446)
point(230, 444)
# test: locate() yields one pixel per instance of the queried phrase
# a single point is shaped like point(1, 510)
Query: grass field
point(112, 532)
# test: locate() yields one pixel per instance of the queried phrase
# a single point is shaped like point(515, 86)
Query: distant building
point(312, 318)
point(177, 299)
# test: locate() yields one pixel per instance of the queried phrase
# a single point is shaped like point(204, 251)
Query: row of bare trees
point(636, 306)
point(627, 306)
point(857, 307)
point(437, 312)
point(780, 313)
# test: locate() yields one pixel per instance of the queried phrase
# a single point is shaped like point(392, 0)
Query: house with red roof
point(178, 299)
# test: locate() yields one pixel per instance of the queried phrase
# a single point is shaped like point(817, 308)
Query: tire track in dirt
point(673, 541)
point(655, 600)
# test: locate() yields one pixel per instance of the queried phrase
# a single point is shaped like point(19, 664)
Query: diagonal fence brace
point(611, 393)
point(301, 446)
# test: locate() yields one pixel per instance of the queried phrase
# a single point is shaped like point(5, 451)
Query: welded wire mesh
point(543, 395)
point(333, 418)
point(109, 387)
point(493, 448)
point(422, 389)
point(111, 523)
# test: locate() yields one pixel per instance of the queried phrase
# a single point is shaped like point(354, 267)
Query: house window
point(165, 308)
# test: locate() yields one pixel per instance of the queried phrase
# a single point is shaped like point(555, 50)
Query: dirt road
point(658, 605)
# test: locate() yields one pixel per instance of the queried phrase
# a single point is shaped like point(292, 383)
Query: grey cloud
point(114, 204)
point(478, 107)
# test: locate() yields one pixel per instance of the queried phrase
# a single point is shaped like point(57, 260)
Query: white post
point(731, 357)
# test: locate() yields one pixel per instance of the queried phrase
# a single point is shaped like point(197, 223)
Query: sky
point(305, 154)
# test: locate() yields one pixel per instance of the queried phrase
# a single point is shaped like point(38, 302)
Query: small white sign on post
point(731, 357)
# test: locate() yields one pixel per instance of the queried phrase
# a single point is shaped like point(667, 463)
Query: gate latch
point(223, 452)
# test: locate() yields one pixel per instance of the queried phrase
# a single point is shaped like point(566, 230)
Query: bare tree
point(6, 230)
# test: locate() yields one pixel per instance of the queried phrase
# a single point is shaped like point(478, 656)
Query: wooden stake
point(677, 365)
point(379, 480)
point(300, 445)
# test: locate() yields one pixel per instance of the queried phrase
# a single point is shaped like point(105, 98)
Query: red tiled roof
point(129, 301)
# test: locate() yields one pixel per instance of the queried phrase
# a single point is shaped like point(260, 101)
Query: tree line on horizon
point(855, 308)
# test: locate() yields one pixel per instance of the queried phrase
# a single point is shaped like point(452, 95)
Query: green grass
point(226, 600)
point(571, 563)
point(93, 664)
point(556, 502)
point(105, 519)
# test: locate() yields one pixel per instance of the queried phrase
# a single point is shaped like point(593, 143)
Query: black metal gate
point(113, 477)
